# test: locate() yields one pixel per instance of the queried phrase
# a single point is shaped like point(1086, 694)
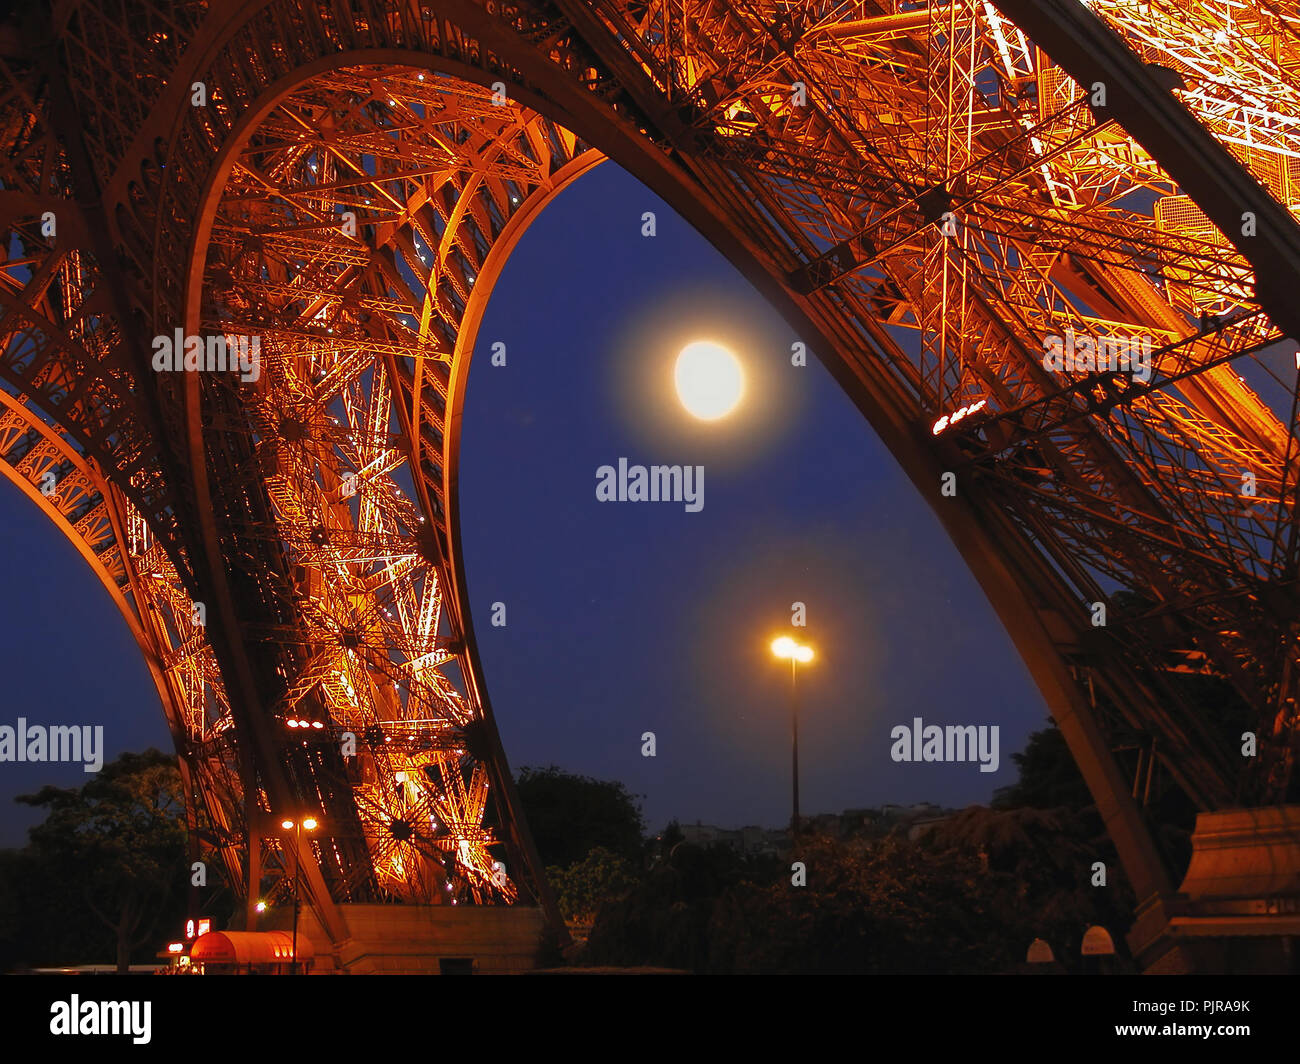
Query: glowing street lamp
point(785, 647)
point(310, 823)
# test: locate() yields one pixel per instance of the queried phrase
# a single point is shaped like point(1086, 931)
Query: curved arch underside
point(925, 194)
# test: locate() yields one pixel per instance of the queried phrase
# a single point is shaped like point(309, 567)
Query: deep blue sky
point(622, 617)
point(67, 657)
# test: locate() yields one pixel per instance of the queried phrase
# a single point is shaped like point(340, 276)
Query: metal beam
point(1139, 98)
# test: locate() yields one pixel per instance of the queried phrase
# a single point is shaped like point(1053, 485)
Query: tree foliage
point(1046, 858)
point(572, 815)
point(888, 906)
point(1048, 775)
point(1050, 779)
point(967, 897)
point(114, 848)
point(664, 920)
point(586, 885)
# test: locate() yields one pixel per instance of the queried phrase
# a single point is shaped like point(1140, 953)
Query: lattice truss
point(64, 350)
point(939, 197)
point(114, 538)
point(349, 238)
point(66, 413)
point(1055, 221)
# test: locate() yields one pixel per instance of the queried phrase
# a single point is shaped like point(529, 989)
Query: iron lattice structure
point(926, 191)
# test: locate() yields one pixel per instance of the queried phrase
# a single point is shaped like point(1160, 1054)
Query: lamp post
point(785, 647)
point(308, 822)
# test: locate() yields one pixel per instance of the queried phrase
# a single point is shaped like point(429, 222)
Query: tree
point(1049, 776)
point(571, 815)
point(119, 841)
point(583, 887)
point(663, 921)
point(1046, 857)
point(1050, 779)
point(888, 906)
point(885, 906)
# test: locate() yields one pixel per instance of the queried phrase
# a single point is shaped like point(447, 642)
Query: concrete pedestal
point(1238, 908)
point(424, 939)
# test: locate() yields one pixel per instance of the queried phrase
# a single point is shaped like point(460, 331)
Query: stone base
point(425, 939)
point(1238, 908)
point(1230, 955)
point(1245, 853)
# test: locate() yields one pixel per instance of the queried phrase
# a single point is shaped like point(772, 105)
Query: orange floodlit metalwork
point(929, 193)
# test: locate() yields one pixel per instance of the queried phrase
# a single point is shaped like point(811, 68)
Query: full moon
point(709, 380)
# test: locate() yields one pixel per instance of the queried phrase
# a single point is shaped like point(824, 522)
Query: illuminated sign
point(205, 925)
point(175, 947)
point(189, 929)
point(948, 420)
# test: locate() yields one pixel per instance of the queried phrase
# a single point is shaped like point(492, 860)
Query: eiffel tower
point(313, 199)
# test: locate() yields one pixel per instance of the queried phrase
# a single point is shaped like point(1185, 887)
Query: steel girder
point(940, 199)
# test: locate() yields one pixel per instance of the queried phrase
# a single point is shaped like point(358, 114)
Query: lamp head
point(784, 647)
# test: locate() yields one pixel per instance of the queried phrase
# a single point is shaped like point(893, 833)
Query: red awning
point(249, 947)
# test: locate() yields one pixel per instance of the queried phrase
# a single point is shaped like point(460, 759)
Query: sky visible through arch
point(624, 618)
point(628, 617)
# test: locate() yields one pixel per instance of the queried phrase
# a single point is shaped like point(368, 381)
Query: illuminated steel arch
point(43, 461)
point(365, 276)
point(921, 190)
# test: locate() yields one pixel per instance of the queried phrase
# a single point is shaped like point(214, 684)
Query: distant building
point(924, 826)
point(763, 841)
point(748, 841)
point(826, 823)
point(917, 820)
point(859, 818)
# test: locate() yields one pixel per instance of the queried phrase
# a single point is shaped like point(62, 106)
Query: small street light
point(310, 823)
point(785, 647)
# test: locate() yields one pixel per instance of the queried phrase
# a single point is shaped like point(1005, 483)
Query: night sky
point(628, 617)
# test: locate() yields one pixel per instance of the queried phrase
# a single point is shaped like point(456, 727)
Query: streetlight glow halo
point(784, 647)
